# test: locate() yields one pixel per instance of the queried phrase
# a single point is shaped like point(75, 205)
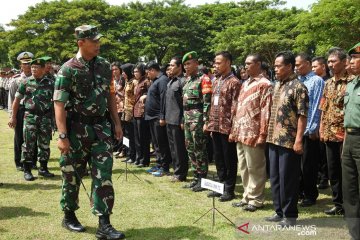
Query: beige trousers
point(252, 168)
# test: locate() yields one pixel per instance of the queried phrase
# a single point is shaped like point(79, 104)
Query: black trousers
point(333, 153)
point(161, 145)
point(178, 151)
point(129, 133)
point(2, 93)
point(323, 168)
point(285, 167)
point(18, 137)
point(309, 168)
point(351, 183)
point(142, 141)
point(6, 96)
point(225, 160)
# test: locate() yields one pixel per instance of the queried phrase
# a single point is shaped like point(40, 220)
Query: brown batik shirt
point(290, 100)
point(225, 92)
point(332, 106)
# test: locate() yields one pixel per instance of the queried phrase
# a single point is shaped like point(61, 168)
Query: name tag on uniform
point(216, 100)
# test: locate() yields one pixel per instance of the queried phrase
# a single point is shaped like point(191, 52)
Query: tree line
point(162, 29)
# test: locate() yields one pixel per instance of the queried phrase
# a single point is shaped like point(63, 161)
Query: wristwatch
point(62, 135)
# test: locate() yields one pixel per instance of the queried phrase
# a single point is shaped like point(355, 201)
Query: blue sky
point(14, 8)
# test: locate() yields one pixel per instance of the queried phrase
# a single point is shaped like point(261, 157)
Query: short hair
point(339, 52)
point(320, 59)
point(256, 57)
point(153, 65)
point(141, 68)
point(164, 68)
point(117, 64)
point(305, 56)
point(178, 60)
point(225, 54)
point(288, 58)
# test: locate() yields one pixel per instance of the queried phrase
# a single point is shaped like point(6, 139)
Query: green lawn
point(153, 208)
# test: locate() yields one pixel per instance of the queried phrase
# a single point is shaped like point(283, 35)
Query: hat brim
point(25, 60)
point(97, 37)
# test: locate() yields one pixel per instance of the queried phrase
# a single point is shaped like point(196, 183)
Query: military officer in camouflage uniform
point(196, 102)
point(84, 92)
point(25, 59)
point(37, 93)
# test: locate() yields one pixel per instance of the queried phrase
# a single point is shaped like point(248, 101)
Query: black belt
point(90, 120)
point(38, 112)
point(353, 131)
point(198, 106)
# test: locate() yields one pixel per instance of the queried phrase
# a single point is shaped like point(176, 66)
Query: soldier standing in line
point(84, 92)
point(196, 102)
point(350, 155)
point(2, 89)
point(37, 93)
point(25, 59)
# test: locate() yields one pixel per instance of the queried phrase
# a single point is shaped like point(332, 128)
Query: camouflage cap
point(189, 56)
point(25, 57)
point(87, 32)
point(355, 49)
point(38, 61)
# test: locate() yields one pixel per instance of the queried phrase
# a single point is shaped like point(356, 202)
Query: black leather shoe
point(213, 194)
point(70, 222)
point(274, 218)
point(28, 176)
point(335, 211)
point(226, 197)
point(45, 173)
point(192, 184)
point(287, 222)
point(307, 203)
point(251, 208)
point(197, 187)
point(239, 204)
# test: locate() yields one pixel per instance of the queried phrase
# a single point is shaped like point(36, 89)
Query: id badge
point(216, 100)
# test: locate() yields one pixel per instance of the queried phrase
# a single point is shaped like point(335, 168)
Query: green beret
point(87, 32)
point(38, 61)
point(189, 56)
point(355, 49)
point(46, 58)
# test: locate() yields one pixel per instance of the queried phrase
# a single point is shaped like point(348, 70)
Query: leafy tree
point(329, 23)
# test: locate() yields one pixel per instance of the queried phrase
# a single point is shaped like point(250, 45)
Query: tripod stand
point(214, 209)
point(126, 173)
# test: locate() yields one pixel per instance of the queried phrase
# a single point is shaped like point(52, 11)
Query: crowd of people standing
point(300, 128)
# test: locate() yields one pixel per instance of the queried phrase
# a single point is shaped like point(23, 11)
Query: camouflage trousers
point(195, 142)
point(37, 133)
point(88, 144)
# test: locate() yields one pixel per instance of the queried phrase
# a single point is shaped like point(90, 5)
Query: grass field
point(153, 208)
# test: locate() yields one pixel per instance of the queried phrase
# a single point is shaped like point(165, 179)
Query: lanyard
point(220, 83)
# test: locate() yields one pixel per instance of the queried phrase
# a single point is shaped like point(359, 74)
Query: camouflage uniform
point(196, 101)
point(85, 87)
point(37, 95)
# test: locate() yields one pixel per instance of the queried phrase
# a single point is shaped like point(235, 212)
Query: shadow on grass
point(3, 230)
point(173, 233)
point(13, 212)
point(27, 187)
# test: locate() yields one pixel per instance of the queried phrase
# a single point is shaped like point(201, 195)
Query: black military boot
point(27, 172)
point(44, 171)
point(106, 231)
point(71, 222)
point(197, 187)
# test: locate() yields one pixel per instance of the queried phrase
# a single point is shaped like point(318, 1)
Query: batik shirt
point(290, 100)
point(332, 106)
point(250, 123)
